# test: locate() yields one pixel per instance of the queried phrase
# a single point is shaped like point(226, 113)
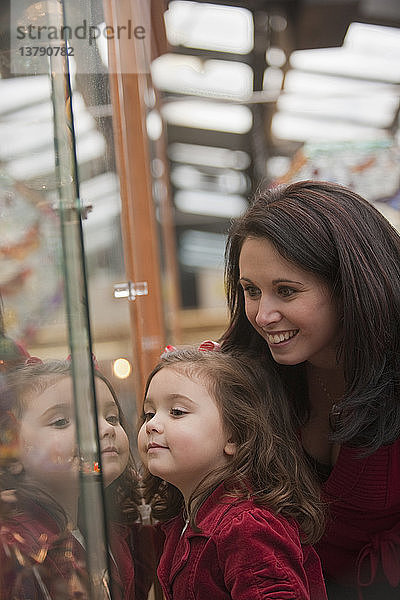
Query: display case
point(79, 276)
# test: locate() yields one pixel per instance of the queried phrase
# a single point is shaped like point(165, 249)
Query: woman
point(313, 285)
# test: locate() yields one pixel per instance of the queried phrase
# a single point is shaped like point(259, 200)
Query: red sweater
point(362, 541)
point(35, 556)
point(243, 552)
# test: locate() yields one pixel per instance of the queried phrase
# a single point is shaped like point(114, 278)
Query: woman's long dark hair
point(268, 463)
point(121, 496)
point(332, 232)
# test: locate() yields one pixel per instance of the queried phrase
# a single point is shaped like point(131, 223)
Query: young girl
point(218, 445)
point(41, 547)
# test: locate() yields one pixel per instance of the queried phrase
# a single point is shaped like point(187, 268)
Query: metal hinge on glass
point(69, 207)
point(130, 290)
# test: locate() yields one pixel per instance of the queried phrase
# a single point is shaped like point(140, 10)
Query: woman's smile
point(293, 310)
point(280, 337)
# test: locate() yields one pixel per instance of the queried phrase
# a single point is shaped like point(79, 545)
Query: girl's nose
point(267, 313)
point(154, 424)
point(105, 428)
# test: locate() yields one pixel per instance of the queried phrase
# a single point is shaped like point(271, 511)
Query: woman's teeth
point(276, 338)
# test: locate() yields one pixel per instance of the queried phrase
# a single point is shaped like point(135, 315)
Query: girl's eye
point(177, 412)
point(148, 416)
point(61, 422)
point(251, 290)
point(286, 291)
point(113, 419)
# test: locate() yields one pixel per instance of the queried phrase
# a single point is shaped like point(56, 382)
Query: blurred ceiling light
point(277, 23)
point(216, 116)
point(186, 177)
point(207, 239)
point(213, 78)
point(90, 146)
point(376, 110)
point(154, 125)
point(31, 166)
point(368, 51)
point(327, 85)
point(22, 137)
point(100, 186)
point(102, 192)
point(202, 249)
point(232, 182)
point(34, 113)
point(122, 368)
point(40, 163)
point(287, 126)
point(213, 204)
point(149, 96)
point(208, 156)
point(272, 81)
point(13, 92)
point(340, 94)
point(373, 39)
point(226, 180)
point(102, 44)
point(157, 167)
point(275, 56)
point(350, 63)
point(209, 26)
point(277, 166)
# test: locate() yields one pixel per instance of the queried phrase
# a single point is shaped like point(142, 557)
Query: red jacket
point(35, 556)
point(362, 542)
point(244, 552)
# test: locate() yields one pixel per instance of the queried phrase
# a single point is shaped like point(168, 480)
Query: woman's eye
point(251, 291)
point(61, 422)
point(286, 291)
point(113, 419)
point(177, 412)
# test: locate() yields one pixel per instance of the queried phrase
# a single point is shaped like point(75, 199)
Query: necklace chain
point(324, 388)
point(334, 401)
point(334, 413)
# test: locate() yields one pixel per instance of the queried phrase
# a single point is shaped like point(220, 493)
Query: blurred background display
point(272, 91)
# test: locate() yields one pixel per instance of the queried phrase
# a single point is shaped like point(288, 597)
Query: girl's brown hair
point(268, 465)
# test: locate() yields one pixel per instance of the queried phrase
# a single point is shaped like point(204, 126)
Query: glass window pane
point(67, 417)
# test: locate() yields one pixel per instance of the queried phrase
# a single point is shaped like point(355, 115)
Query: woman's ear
point(230, 448)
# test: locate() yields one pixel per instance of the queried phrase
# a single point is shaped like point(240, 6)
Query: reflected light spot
point(275, 56)
point(122, 368)
point(154, 125)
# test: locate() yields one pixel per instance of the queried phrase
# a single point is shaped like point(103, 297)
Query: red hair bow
point(170, 348)
point(206, 346)
point(33, 360)
point(209, 346)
